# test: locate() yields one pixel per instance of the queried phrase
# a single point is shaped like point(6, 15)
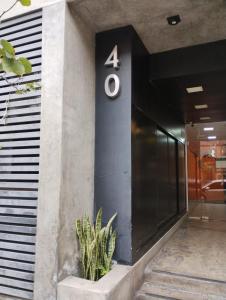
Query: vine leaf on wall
point(9, 63)
point(11, 66)
point(25, 2)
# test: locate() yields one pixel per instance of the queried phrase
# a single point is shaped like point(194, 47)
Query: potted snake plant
point(97, 246)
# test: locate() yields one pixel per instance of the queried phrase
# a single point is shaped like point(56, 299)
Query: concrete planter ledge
point(120, 283)
point(108, 287)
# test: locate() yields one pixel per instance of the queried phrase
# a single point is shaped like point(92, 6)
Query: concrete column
point(67, 145)
point(50, 178)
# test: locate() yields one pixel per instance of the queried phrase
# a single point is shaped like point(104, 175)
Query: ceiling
point(202, 20)
point(174, 49)
point(195, 132)
point(198, 141)
point(174, 92)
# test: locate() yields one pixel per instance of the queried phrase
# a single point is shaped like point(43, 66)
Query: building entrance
point(207, 171)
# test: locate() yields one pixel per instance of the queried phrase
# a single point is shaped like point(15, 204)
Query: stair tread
point(184, 275)
point(181, 281)
point(145, 296)
point(172, 292)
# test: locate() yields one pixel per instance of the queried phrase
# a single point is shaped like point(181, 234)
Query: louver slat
point(19, 169)
point(28, 78)
point(30, 39)
point(25, 19)
point(21, 194)
point(23, 266)
point(16, 35)
point(18, 220)
point(24, 111)
point(17, 211)
point(16, 292)
point(19, 185)
point(15, 96)
point(25, 127)
point(20, 247)
point(14, 144)
point(16, 274)
point(19, 27)
point(18, 202)
point(23, 119)
point(4, 90)
point(19, 162)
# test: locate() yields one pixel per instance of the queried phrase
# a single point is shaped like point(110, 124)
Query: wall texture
point(67, 147)
point(78, 127)
point(46, 270)
point(67, 141)
point(19, 9)
point(19, 159)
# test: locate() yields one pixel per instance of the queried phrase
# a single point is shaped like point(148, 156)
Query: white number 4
point(113, 58)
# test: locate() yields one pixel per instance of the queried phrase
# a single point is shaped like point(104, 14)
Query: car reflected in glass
point(214, 191)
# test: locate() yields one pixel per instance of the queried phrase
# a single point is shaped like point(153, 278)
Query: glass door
point(207, 181)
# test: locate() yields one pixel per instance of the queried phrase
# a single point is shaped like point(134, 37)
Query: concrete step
point(157, 291)
point(143, 296)
point(165, 285)
point(187, 283)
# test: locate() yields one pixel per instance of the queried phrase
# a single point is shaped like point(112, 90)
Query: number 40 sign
point(112, 81)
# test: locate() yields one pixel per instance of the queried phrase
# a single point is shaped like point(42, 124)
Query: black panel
point(181, 177)
point(113, 139)
point(162, 173)
point(167, 177)
point(135, 174)
point(154, 182)
point(144, 164)
point(172, 188)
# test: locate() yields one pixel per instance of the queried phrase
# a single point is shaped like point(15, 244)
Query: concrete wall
point(67, 142)
point(67, 145)
point(19, 9)
point(66, 181)
point(50, 178)
point(78, 137)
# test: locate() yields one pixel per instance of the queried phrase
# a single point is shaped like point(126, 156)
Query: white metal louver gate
point(19, 162)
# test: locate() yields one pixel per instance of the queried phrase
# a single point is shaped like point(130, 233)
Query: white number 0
point(114, 80)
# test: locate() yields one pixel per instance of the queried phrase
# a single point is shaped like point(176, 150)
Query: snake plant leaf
point(78, 226)
point(99, 220)
point(110, 224)
point(111, 247)
point(101, 233)
point(97, 246)
point(84, 226)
